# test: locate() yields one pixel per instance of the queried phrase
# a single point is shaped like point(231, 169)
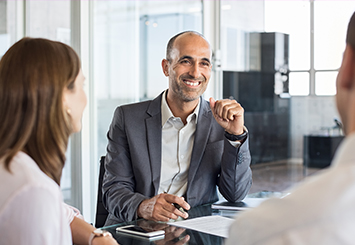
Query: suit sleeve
point(119, 196)
point(236, 178)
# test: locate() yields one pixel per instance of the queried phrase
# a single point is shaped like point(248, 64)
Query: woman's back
point(31, 202)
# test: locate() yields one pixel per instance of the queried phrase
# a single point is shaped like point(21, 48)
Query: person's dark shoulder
point(140, 110)
point(133, 111)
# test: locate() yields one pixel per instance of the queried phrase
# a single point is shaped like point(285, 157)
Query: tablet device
point(139, 231)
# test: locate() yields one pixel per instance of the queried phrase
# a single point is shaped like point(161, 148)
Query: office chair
point(101, 212)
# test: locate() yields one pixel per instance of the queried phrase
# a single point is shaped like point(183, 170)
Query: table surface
point(173, 235)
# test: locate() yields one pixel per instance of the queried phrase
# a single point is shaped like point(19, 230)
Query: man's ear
point(165, 67)
point(347, 68)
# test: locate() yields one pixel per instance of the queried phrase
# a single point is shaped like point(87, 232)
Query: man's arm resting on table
point(118, 184)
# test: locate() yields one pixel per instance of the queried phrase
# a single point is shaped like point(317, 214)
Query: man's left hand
point(229, 114)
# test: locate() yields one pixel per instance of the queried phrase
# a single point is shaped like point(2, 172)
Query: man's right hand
point(160, 208)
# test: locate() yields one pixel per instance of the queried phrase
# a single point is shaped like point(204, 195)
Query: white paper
point(214, 224)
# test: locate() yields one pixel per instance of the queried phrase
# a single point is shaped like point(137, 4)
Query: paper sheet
point(214, 224)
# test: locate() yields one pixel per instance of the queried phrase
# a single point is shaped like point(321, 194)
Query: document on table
point(214, 224)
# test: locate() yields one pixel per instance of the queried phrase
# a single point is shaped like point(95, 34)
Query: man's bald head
point(170, 46)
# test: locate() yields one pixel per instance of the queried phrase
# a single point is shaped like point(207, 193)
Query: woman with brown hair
point(41, 103)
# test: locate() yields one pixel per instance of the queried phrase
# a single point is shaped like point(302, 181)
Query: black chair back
point(101, 212)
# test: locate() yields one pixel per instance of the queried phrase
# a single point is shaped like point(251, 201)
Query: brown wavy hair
point(33, 75)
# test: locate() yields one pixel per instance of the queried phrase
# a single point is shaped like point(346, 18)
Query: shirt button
point(182, 156)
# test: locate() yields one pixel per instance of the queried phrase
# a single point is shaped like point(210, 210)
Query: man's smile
point(191, 83)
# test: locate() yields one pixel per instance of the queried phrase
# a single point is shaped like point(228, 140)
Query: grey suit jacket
point(133, 161)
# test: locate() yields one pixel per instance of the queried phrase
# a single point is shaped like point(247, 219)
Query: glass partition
point(8, 25)
point(129, 42)
point(48, 19)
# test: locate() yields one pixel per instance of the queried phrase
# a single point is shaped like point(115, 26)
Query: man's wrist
point(140, 209)
point(233, 137)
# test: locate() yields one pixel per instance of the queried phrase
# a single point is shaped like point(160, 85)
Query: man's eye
point(185, 62)
point(205, 64)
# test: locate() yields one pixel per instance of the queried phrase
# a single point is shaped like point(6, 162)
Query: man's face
point(190, 67)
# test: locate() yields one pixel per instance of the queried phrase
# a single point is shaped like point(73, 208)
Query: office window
point(329, 36)
point(329, 20)
point(129, 42)
point(325, 82)
point(299, 83)
point(293, 18)
point(330, 25)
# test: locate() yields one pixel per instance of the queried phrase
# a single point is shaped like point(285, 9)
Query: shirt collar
point(166, 113)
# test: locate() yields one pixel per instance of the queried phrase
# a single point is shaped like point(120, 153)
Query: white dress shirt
point(177, 144)
point(320, 210)
point(31, 206)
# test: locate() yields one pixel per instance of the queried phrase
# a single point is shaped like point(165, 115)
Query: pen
point(181, 209)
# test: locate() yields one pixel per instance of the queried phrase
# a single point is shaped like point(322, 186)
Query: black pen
point(181, 209)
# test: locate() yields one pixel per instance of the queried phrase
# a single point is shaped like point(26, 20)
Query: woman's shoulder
point(24, 176)
point(24, 167)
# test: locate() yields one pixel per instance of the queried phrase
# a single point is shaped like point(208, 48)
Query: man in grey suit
point(178, 147)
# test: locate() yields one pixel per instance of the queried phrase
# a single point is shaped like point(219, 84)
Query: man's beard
point(182, 91)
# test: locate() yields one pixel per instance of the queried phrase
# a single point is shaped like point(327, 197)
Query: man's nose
point(195, 71)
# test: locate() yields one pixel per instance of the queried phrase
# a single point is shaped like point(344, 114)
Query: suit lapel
point(201, 137)
point(153, 127)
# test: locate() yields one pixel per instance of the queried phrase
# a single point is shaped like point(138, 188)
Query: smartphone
point(139, 231)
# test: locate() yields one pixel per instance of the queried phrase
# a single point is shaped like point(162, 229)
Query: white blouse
point(32, 210)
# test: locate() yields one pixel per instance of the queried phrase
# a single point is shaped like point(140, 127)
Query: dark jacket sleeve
point(235, 178)
point(119, 183)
